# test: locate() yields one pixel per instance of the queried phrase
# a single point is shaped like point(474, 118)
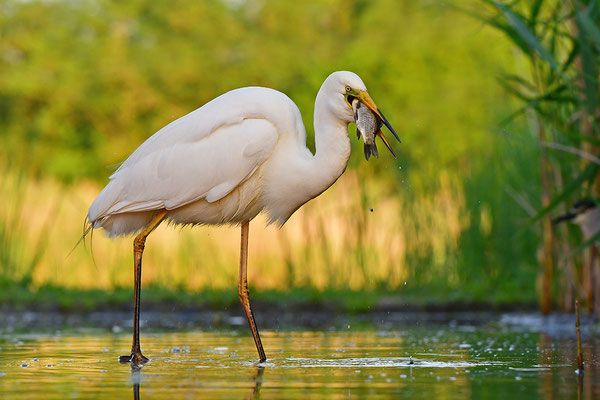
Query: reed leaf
point(517, 22)
point(535, 11)
point(589, 68)
point(586, 24)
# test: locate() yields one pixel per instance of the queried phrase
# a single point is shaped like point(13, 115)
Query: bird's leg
point(136, 357)
point(243, 292)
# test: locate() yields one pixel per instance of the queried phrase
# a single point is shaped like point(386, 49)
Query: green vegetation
point(20, 296)
point(452, 216)
point(557, 86)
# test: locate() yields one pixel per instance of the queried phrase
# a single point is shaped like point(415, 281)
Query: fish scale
point(367, 126)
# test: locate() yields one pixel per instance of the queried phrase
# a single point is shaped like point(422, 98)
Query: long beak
point(366, 99)
point(384, 140)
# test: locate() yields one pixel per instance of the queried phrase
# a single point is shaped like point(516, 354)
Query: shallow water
point(447, 362)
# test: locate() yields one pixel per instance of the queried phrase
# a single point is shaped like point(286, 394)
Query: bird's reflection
point(256, 379)
point(257, 382)
point(136, 378)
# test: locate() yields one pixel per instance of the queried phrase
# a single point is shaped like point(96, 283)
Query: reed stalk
point(580, 368)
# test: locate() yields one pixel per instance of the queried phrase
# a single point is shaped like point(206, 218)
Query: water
point(453, 362)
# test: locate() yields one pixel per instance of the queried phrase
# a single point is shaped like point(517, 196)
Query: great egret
point(241, 153)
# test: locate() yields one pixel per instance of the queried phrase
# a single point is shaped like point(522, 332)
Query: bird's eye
point(348, 89)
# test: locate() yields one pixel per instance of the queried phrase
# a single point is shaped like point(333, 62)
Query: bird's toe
point(134, 358)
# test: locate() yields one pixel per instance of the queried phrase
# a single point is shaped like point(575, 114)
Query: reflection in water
point(545, 357)
point(254, 393)
point(257, 381)
point(136, 379)
point(447, 363)
point(561, 380)
point(592, 371)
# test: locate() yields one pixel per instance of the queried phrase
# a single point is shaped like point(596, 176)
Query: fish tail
point(371, 150)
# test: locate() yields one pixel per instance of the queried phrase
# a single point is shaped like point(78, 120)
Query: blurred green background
point(83, 83)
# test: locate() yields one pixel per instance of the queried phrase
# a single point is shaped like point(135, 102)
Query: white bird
point(238, 155)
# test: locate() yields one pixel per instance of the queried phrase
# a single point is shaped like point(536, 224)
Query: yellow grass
point(333, 241)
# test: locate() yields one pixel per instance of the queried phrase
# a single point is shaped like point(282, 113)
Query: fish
point(368, 126)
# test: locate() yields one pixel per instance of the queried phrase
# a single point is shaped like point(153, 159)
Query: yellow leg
point(243, 292)
point(136, 357)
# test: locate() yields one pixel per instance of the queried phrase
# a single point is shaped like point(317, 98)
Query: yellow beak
point(368, 101)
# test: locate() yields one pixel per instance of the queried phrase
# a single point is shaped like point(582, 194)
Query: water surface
point(450, 362)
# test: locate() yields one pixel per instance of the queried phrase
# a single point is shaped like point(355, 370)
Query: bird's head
point(579, 211)
point(346, 87)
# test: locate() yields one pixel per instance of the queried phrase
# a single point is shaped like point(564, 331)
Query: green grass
point(19, 296)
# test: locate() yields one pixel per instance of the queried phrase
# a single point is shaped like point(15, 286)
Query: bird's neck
point(332, 145)
point(302, 176)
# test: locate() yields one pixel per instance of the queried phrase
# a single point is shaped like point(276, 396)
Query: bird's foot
point(135, 358)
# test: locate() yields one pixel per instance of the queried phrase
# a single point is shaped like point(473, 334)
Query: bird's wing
point(204, 154)
point(186, 169)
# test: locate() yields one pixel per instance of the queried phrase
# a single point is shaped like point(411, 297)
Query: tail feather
point(87, 228)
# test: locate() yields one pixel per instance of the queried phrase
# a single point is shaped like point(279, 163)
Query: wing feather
point(181, 173)
point(204, 154)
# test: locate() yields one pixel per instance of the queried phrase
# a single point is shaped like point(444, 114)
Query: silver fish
point(367, 126)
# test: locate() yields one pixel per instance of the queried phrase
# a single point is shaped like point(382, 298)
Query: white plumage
point(239, 154)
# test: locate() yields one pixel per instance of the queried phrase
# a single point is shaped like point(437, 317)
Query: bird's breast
point(242, 204)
